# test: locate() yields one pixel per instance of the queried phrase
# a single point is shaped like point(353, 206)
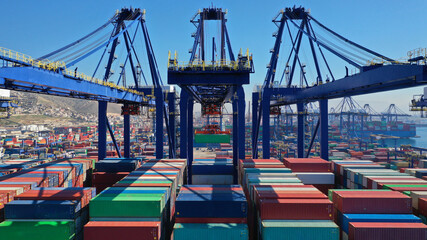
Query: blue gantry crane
point(373, 73)
point(350, 114)
point(211, 81)
point(56, 74)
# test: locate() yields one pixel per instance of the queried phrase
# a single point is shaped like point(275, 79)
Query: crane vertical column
point(255, 100)
point(241, 123)
point(190, 137)
point(323, 107)
point(183, 109)
point(126, 140)
point(159, 122)
point(102, 130)
point(266, 124)
point(171, 101)
point(235, 138)
point(300, 130)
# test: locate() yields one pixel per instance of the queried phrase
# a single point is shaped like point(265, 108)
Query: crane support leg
point(241, 116)
point(183, 109)
point(159, 122)
point(266, 124)
point(116, 146)
point(190, 136)
point(323, 107)
point(235, 137)
point(300, 133)
point(171, 100)
point(126, 140)
point(102, 130)
point(255, 99)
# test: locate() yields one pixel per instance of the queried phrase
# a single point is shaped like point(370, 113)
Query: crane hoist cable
point(79, 40)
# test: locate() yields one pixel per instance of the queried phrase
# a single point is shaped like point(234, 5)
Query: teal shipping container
point(299, 230)
point(210, 231)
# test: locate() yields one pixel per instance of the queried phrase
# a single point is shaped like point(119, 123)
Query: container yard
point(95, 145)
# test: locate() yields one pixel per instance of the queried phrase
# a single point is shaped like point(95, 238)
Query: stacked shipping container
point(140, 206)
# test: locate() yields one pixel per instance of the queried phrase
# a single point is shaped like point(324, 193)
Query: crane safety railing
point(58, 66)
point(199, 64)
point(420, 53)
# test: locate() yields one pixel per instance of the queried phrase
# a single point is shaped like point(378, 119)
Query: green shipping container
point(299, 230)
point(212, 138)
point(127, 205)
point(37, 230)
point(210, 231)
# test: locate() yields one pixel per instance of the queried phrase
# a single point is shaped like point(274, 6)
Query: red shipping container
point(295, 209)
point(274, 186)
point(289, 195)
point(41, 182)
point(147, 184)
point(9, 193)
point(422, 206)
point(387, 231)
point(307, 164)
point(109, 230)
point(207, 188)
point(372, 202)
point(59, 173)
point(68, 194)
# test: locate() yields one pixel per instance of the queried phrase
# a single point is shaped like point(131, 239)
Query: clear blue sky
point(390, 27)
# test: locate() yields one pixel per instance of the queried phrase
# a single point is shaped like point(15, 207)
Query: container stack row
point(16, 165)
point(212, 171)
point(111, 170)
point(382, 203)
point(47, 201)
point(225, 151)
point(139, 206)
point(366, 215)
point(60, 173)
point(211, 212)
point(312, 171)
point(281, 206)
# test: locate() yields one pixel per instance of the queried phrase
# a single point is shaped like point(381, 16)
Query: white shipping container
point(415, 195)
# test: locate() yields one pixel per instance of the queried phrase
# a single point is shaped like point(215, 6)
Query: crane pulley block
point(275, 110)
point(131, 109)
point(211, 109)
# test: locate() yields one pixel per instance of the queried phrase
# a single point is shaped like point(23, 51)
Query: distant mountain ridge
point(31, 100)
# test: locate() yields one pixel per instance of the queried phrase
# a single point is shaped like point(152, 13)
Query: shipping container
point(299, 230)
point(130, 230)
point(210, 231)
point(387, 231)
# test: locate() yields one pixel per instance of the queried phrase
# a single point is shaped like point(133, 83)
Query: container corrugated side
point(37, 230)
point(387, 231)
point(299, 230)
point(210, 231)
